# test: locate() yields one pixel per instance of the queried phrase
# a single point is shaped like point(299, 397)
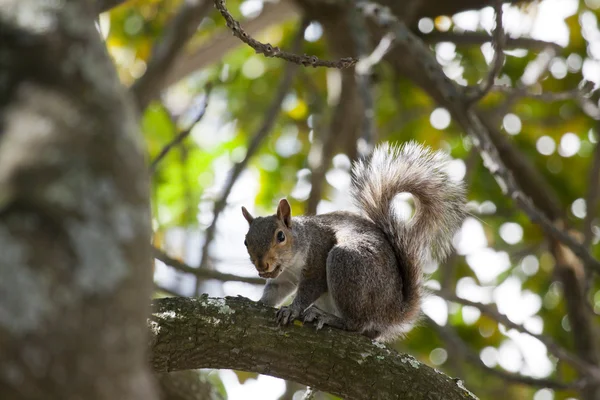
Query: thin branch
point(454, 341)
point(203, 274)
point(591, 204)
point(498, 41)
point(309, 394)
point(559, 351)
point(365, 64)
point(472, 124)
point(593, 194)
point(533, 73)
point(570, 271)
point(164, 53)
point(273, 51)
point(322, 146)
point(343, 128)
point(579, 94)
point(360, 36)
point(450, 265)
point(183, 134)
point(221, 42)
point(186, 385)
point(257, 139)
point(477, 38)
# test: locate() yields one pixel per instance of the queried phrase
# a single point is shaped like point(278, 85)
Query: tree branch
point(498, 43)
point(454, 99)
point(220, 43)
point(205, 273)
point(360, 36)
point(343, 131)
point(237, 333)
point(308, 394)
point(183, 134)
point(186, 385)
point(164, 53)
point(560, 352)
point(454, 341)
point(593, 194)
point(477, 38)
point(273, 51)
point(571, 273)
point(578, 95)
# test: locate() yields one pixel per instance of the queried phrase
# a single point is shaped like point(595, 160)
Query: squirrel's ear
point(284, 212)
point(247, 215)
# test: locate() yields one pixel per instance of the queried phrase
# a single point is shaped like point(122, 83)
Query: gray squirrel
point(362, 272)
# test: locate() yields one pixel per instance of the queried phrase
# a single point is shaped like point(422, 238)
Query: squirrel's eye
point(280, 236)
point(245, 243)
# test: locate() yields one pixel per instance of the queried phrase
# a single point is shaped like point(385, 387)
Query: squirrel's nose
point(263, 266)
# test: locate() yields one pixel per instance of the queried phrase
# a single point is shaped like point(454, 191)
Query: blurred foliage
point(247, 83)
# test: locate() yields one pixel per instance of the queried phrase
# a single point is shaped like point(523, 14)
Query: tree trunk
point(74, 214)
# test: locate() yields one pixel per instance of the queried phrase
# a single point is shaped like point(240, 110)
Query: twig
point(365, 64)
point(593, 194)
point(560, 352)
point(547, 97)
point(453, 340)
point(183, 134)
point(499, 39)
point(578, 94)
point(343, 129)
point(476, 38)
point(309, 393)
point(164, 53)
point(321, 149)
point(204, 274)
point(273, 51)
point(222, 41)
point(455, 99)
point(570, 272)
point(270, 117)
point(450, 265)
point(360, 35)
point(540, 66)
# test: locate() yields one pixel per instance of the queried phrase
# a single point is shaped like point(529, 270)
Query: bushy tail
point(440, 207)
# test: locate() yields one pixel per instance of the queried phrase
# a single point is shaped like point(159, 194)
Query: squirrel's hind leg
point(365, 285)
point(320, 317)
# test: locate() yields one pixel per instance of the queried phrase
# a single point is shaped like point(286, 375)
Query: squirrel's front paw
point(287, 314)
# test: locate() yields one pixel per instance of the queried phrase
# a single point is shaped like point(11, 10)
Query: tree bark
point(236, 333)
point(74, 214)
point(185, 385)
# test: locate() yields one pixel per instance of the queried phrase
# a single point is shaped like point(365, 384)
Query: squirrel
point(362, 272)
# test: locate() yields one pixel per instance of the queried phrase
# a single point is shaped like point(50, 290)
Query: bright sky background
point(522, 353)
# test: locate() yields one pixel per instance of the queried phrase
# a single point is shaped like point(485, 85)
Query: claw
point(313, 314)
point(320, 324)
point(285, 315)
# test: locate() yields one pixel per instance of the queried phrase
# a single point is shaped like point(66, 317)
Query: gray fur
point(364, 272)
